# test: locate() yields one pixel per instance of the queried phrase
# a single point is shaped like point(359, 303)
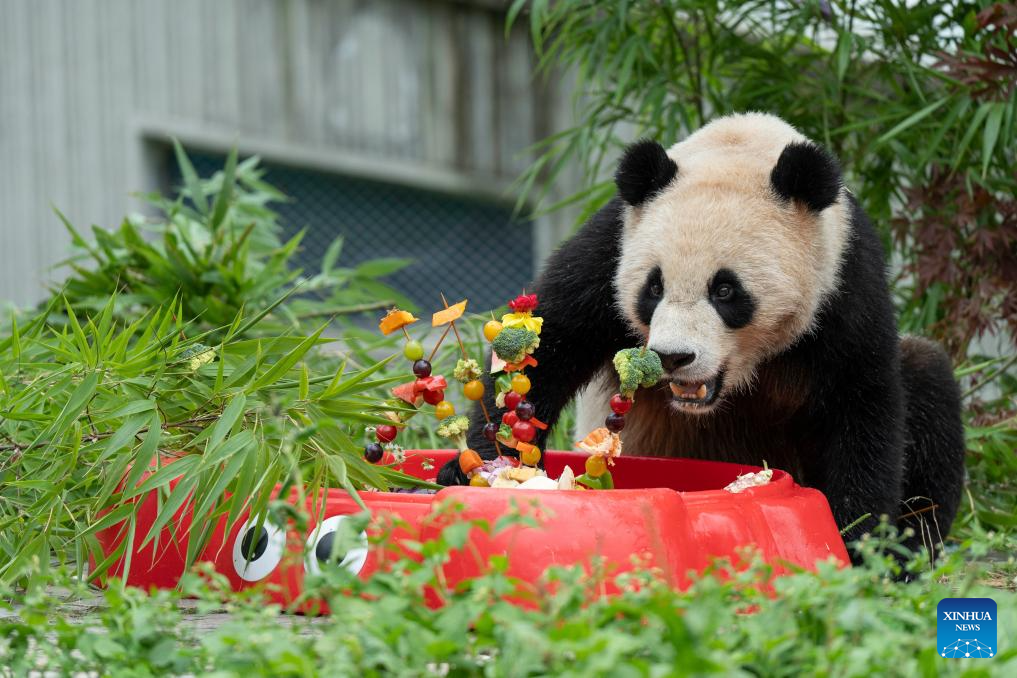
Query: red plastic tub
point(671, 514)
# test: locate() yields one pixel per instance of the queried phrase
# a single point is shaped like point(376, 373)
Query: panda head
point(731, 240)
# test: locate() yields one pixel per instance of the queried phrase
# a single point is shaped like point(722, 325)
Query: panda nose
point(672, 361)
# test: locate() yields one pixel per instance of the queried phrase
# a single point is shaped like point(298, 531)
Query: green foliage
point(175, 354)
point(216, 248)
point(836, 621)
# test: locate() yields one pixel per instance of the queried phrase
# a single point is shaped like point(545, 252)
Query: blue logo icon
point(966, 628)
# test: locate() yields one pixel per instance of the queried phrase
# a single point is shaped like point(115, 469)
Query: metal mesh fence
point(459, 246)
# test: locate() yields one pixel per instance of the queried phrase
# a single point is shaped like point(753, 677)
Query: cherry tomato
point(474, 390)
point(512, 400)
point(386, 433)
point(620, 404)
point(520, 383)
point(492, 328)
point(530, 457)
point(524, 431)
point(444, 409)
point(596, 466)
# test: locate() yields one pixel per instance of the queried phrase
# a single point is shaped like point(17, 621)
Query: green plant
point(216, 248)
point(182, 348)
point(835, 621)
point(91, 402)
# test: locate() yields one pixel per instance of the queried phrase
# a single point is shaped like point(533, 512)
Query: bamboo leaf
point(229, 417)
point(222, 201)
point(180, 493)
point(194, 189)
point(990, 134)
point(911, 121)
point(163, 476)
point(282, 366)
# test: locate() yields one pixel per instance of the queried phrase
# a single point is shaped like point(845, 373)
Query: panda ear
point(808, 173)
point(643, 170)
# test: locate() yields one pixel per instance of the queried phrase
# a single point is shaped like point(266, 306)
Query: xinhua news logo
point(966, 628)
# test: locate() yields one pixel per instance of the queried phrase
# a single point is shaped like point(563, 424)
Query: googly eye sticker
point(321, 542)
point(257, 550)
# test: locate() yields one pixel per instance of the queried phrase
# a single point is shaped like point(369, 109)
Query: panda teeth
point(685, 392)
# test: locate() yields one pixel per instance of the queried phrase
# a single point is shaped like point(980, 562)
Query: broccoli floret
point(513, 343)
point(637, 367)
point(466, 370)
point(454, 426)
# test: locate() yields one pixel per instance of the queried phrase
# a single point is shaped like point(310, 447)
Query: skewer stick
point(462, 347)
point(459, 339)
point(440, 339)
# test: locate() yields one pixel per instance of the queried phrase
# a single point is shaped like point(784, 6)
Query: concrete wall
point(426, 93)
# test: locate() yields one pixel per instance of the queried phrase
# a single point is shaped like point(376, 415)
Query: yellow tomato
point(474, 390)
point(444, 409)
point(596, 466)
point(530, 457)
point(491, 329)
point(520, 383)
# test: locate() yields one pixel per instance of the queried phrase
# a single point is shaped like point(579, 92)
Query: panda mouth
point(696, 395)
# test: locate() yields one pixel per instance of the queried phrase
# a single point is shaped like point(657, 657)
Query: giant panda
point(742, 259)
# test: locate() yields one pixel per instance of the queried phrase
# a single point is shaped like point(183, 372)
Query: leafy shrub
point(216, 249)
point(850, 622)
point(182, 347)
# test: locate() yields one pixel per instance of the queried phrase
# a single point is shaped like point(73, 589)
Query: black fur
point(644, 170)
point(807, 173)
point(844, 409)
point(934, 447)
point(650, 296)
point(737, 310)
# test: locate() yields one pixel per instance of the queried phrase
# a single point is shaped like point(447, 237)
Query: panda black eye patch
point(650, 296)
point(733, 303)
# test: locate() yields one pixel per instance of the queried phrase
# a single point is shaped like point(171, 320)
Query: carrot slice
point(395, 320)
point(453, 312)
point(523, 448)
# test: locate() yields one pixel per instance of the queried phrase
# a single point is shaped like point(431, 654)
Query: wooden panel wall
point(422, 91)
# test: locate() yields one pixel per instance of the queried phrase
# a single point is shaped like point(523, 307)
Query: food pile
point(513, 342)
